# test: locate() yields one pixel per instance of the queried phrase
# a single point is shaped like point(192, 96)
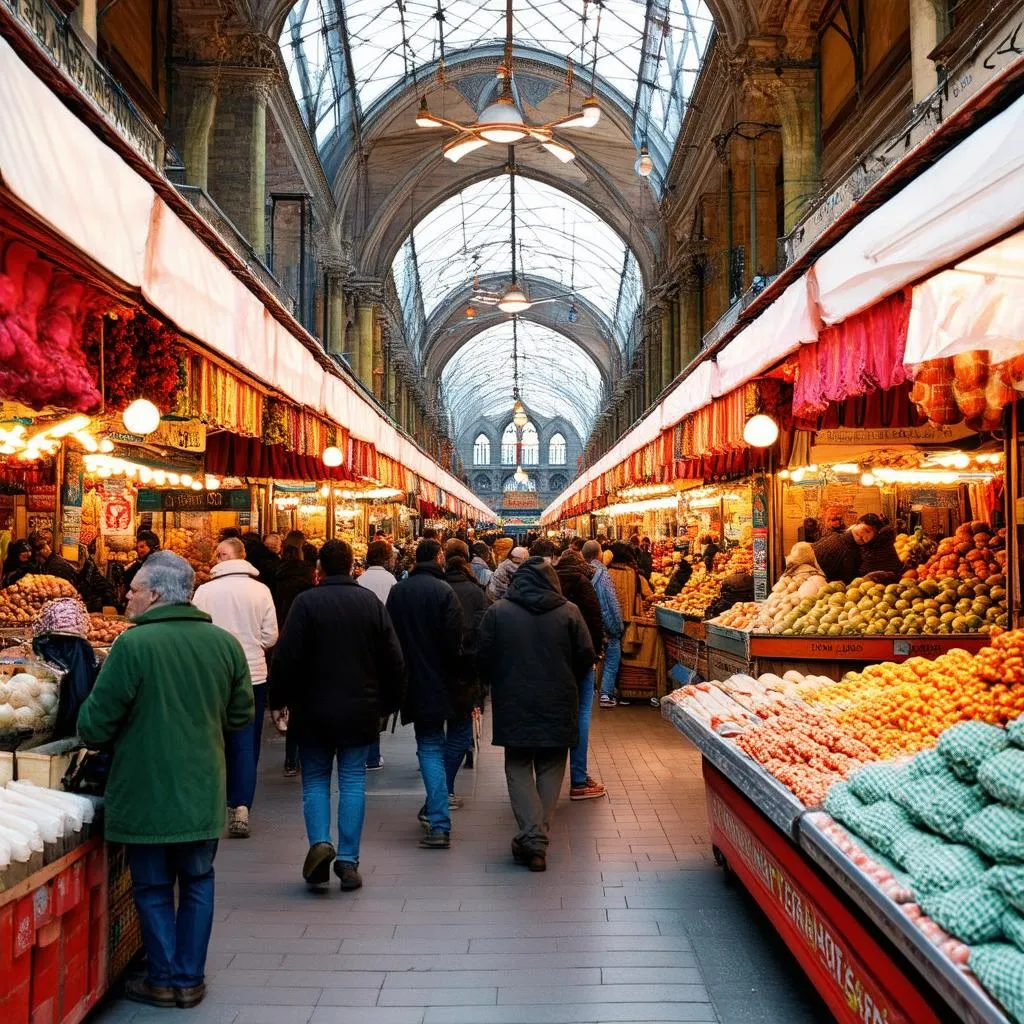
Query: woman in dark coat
point(534, 649)
point(18, 562)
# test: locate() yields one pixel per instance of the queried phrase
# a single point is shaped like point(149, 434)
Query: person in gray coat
point(534, 649)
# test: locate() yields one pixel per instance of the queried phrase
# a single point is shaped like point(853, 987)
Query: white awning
point(967, 198)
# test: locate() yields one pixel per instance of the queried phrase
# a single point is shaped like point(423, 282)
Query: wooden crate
point(46, 764)
point(721, 664)
point(637, 683)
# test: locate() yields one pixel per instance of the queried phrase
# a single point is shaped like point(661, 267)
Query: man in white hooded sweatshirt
point(237, 602)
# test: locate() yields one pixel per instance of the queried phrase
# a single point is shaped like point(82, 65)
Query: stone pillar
point(195, 105)
point(335, 317)
point(927, 27)
point(668, 371)
point(796, 95)
point(392, 382)
point(689, 325)
point(378, 370)
point(363, 364)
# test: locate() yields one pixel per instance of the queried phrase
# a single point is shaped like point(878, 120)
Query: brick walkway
point(630, 923)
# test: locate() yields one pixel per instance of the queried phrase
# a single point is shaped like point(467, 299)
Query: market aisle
point(631, 922)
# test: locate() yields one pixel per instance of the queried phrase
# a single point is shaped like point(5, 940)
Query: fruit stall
point(879, 822)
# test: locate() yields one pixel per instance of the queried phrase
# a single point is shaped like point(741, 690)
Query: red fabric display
point(230, 455)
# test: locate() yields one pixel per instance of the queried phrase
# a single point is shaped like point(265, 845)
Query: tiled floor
point(630, 923)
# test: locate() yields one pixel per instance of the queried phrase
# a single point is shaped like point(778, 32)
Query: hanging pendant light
point(501, 122)
point(644, 163)
point(519, 415)
point(520, 475)
point(514, 301)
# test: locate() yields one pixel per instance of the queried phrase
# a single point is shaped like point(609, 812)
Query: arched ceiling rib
point(556, 377)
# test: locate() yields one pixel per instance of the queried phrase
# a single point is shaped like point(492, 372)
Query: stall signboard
point(234, 500)
point(70, 530)
point(889, 437)
point(117, 510)
point(41, 498)
point(184, 435)
point(520, 500)
point(759, 522)
point(71, 488)
point(847, 967)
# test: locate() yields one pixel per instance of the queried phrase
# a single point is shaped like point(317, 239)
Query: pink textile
point(856, 356)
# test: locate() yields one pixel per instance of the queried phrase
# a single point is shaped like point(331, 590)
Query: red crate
point(53, 941)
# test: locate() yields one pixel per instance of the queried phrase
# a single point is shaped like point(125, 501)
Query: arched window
point(508, 446)
point(557, 483)
point(512, 484)
point(556, 451)
point(482, 451)
point(481, 483)
point(531, 446)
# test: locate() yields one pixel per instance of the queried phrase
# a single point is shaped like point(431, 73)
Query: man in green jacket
point(167, 692)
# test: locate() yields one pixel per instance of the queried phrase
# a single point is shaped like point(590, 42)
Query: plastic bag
point(966, 746)
point(998, 832)
point(878, 781)
point(944, 867)
point(973, 913)
point(942, 803)
point(1002, 777)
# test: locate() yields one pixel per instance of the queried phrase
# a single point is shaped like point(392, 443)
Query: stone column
point(392, 382)
point(668, 371)
point(927, 27)
point(689, 325)
point(377, 371)
point(195, 106)
point(796, 96)
point(363, 364)
point(335, 317)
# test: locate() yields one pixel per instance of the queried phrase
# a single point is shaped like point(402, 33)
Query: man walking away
point(611, 616)
point(502, 576)
point(237, 601)
point(459, 575)
point(534, 649)
point(428, 618)
point(338, 670)
point(379, 578)
point(574, 577)
point(167, 692)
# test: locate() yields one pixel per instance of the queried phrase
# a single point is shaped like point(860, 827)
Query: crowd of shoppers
point(183, 698)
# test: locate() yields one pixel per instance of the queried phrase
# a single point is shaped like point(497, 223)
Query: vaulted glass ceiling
point(556, 377)
point(558, 238)
point(344, 55)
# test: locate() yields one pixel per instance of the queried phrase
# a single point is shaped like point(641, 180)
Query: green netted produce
point(998, 832)
point(880, 824)
point(878, 781)
point(966, 746)
point(841, 804)
point(941, 802)
point(1002, 777)
point(1009, 880)
point(1000, 968)
point(972, 913)
point(943, 867)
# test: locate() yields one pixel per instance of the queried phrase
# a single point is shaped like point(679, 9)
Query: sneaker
point(349, 875)
point(290, 771)
point(189, 998)
point(238, 822)
point(589, 790)
point(436, 840)
point(375, 766)
point(608, 702)
point(455, 803)
point(316, 869)
point(139, 990)
point(422, 818)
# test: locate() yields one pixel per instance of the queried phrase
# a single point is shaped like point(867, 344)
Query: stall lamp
point(783, 474)
point(761, 431)
point(186, 480)
point(173, 479)
point(644, 164)
point(332, 457)
point(106, 446)
point(847, 468)
point(867, 480)
point(197, 485)
point(142, 417)
point(212, 483)
point(519, 416)
point(514, 301)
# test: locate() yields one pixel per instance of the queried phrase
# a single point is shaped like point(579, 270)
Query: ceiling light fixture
point(644, 163)
point(501, 122)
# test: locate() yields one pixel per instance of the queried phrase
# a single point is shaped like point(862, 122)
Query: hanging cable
point(407, 54)
point(512, 204)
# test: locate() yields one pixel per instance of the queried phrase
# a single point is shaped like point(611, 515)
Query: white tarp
point(790, 321)
point(970, 196)
point(62, 172)
point(979, 304)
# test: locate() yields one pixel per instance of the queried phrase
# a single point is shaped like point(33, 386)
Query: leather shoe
point(139, 990)
point(316, 869)
point(187, 998)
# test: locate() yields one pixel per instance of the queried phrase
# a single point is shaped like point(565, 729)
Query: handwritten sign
point(888, 436)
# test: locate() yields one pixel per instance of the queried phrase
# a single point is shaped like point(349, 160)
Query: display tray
point(971, 1004)
point(776, 802)
point(669, 619)
point(862, 648)
point(732, 641)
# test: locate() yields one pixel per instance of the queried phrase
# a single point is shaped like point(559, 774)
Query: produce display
point(105, 629)
point(744, 615)
point(914, 548)
point(703, 587)
point(28, 697)
point(22, 602)
point(974, 552)
point(947, 827)
point(195, 547)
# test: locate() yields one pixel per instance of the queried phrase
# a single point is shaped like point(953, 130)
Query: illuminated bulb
point(87, 441)
point(867, 480)
point(798, 475)
point(212, 483)
point(324, 491)
point(514, 301)
point(424, 118)
point(644, 164)
point(173, 479)
point(159, 477)
point(519, 416)
point(561, 153)
point(196, 485)
point(68, 426)
point(783, 474)
point(456, 150)
point(106, 445)
point(332, 457)
point(145, 475)
point(846, 467)
point(762, 431)
point(186, 480)
point(141, 417)
point(501, 122)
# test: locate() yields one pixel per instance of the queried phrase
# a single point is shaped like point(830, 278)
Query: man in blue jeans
point(168, 690)
point(338, 670)
point(611, 616)
point(428, 617)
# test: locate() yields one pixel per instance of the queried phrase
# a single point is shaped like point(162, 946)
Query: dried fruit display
point(740, 616)
point(22, 602)
point(703, 587)
point(974, 552)
point(105, 629)
point(195, 547)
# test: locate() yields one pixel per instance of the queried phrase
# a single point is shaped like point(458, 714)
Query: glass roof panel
point(557, 237)
point(556, 377)
point(649, 53)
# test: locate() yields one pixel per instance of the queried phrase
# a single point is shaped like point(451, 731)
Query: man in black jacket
point(839, 554)
point(428, 618)
point(459, 575)
point(336, 703)
point(534, 649)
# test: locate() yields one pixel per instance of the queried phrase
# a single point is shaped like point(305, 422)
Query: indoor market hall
point(512, 511)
